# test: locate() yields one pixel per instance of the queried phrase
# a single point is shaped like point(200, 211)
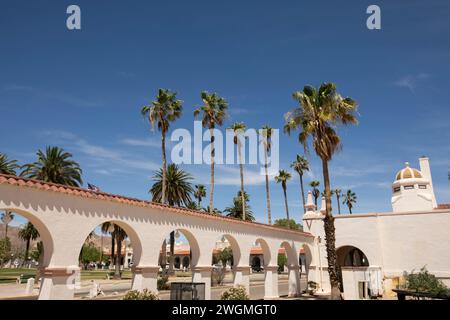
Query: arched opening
point(225, 256)
point(286, 257)
point(350, 256)
point(262, 251)
point(109, 253)
point(26, 246)
point(256, 264)
point(305, 260)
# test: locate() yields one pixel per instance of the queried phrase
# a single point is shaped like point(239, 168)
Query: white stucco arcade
point(65, 216)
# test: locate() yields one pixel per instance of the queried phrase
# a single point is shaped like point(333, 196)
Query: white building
point(374, 249)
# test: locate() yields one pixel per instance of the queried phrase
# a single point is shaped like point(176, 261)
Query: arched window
point(349, 256)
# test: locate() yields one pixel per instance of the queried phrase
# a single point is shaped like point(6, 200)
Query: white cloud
point(140, 142)
point(411, 81)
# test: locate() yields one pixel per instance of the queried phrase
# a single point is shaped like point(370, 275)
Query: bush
point(282, 261)
point(162, 283)
point(137, 295)
point(235, 293)
point(218, 275)
point(425, 282)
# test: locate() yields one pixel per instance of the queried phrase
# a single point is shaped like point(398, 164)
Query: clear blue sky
point(83, 90)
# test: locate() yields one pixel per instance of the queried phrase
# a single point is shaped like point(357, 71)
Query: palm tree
point(315, 192)
point(266, 133)
point(54, 166)
point(338, 193)
point(214, 111)
point(27, 234)
point(238, 129)
point(178, 193)
point(349, 200)
point(319, 111)
point(161, 112)
point(6, 218)
point(300, 165)
point(8, 166)
point(120, 236)
point(236, 209)
point(283, 177)
point(199, 193)
point(108, 227)
point(214, 211)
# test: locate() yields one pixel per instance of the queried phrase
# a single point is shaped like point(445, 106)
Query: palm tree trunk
point(330, 237)
point(164, 168)
point(350, 209)
point(286, 204)
point(211, 192)
point(339, 205)
point(172, 251)
point(112, 248)
point(164, 256)
point(303, 192)
point(267, 187)
point(27, 249)
point(241, 167)
point(6, 231)
point(118, 259)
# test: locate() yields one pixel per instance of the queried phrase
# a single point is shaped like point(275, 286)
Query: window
point(422, 186)
point(408, 187)
point(397, 189)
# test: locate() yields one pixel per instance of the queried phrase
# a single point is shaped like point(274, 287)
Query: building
point(375, 249)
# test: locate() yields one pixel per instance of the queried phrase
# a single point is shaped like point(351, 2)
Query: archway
point(352, 266)
point(226, 256)
point(288, 262)
point(350, 256)
point(27, 245)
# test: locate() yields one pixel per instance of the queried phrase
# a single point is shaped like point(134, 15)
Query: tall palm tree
point(238, 129)
point(349, 200)
point(108, 227)
point(54, 166)
point(215, 211)
point(120, 236)
point(338, 193)
point(27, 234)
point(199, 193)
point(283, 177)
point(214, 112)
point(266, 133)
point(235, 210)
point(8, 166)
point(7, 217)
point(317, 115)
point(315, 192)
point(300, 165)
point(178, 193)
point(161, 112)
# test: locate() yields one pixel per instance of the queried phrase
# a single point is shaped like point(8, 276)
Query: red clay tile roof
point(444, 206)
point(80, 192)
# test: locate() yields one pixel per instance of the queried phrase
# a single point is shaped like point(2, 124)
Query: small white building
point(375, 249)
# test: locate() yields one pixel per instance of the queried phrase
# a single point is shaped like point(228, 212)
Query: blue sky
point(83, 90)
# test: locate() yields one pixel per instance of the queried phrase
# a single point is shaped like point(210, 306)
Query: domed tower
point(412, 191)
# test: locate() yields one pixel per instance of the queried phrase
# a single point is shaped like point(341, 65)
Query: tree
point(199, 193)
point(178, 193)
point(300, 165)
point(214, 211)
point(6, 218)
point(283, 177)
point(315, 192)
point(89, 253)
point(266, 133)
point(214, 111)
point(235, 210)
point(54, 166)
point(108, 227)
point(8, 166)
point(282, 261)
point(27, 234)
point(238, 129)
point(161, 112)
point(317, 115)
point(338, 193)
point(290, 224)
point(5, 250)
point(225, 256)
point(120, 236)
point(349, 200)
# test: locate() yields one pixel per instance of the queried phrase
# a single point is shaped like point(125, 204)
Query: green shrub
point(235, 293)
point(137, 295)
point(424, 281)
point(162, 283)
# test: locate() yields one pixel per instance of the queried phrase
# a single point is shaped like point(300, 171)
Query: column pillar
point(294, 281)
point(271, 282)
point(203, 274)
point(58, 283)
point(242, 277)
point(145, 277)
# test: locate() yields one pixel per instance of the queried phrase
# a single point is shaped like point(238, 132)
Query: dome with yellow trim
point(408, 173)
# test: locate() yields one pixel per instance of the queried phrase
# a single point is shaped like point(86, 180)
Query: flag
point(93, 188)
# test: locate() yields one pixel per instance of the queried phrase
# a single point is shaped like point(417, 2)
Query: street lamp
point(319, 241)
